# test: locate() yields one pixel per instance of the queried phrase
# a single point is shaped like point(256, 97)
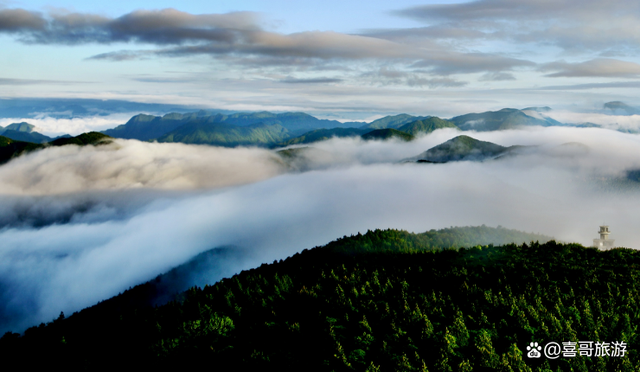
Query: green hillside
point(385, 134)
point(394, 121)
point(427, 125)
point(324, 134)
point(10, 148)
point(90, 138)
point(462, 148)
point(147, 127)
point(220, 134)
point(364, 303)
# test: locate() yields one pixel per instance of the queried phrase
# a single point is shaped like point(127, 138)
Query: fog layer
point(244, 198)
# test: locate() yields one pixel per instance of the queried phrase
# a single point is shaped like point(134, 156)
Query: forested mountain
point(507, 118)
point(394, 121)
point(463, 148)
point(379, 301)
point(324, 134)
point(222, 134)
point(10, 148)
point(405, 131)
point(147, 127)
point(425, 126)
point(384, 134)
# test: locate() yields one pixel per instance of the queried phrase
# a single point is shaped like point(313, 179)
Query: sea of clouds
point(79, 225)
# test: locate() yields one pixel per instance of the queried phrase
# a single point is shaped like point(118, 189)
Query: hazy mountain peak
point(620, 107)
point(21, 127)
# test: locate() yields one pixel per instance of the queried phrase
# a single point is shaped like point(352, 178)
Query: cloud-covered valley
point(113, 216)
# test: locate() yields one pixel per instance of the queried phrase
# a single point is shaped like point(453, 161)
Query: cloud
point(10, 81)
point(75, 125)
point(571, 25)
point(391, 76)
point(614, 122)
point(310, 81)
point(607, 85)
point(353, 187)
point(131, 164)
point(452, 62)
point(237, 34)
point(121, 55)
point(497, 76)
point(162, 27)
point(600, 67)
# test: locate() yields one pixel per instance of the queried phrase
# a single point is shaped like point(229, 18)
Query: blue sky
point(354, 59)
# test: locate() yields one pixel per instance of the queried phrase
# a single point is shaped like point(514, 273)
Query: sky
point(81, 224)
point(340, 59)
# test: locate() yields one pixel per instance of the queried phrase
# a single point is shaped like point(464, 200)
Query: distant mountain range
point(266, 129)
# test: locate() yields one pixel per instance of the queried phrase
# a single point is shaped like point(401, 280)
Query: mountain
point(21, 127)
point(538, 109)
point(23, 132)
point(84, 139)
point(427, 125)
point(223, 134)
point(212, 265)
point(507, 118)
point(384, 134)
point(68, 108)
point(394, 121)
point(380, 299)
point(620, 108)
point(147, 127)
point(324, 134)
point(295, 122)
point(10, 148)
point(462, 148)
point(33, 137)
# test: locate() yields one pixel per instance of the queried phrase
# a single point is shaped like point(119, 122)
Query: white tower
point(604, 243)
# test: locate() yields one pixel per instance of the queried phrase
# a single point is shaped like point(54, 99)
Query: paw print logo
point(534, 350)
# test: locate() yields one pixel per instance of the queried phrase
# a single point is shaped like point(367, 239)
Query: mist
point(128, 164)
point(53, 126)
point(114, 216)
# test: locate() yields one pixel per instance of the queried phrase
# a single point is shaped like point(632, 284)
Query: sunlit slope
point(463, 148)
point(426, 126)
point(388, 133)
point(392, 121)
point(325, 134)
point(220, 134)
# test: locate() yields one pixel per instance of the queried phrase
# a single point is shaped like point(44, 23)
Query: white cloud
point(358, 186)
